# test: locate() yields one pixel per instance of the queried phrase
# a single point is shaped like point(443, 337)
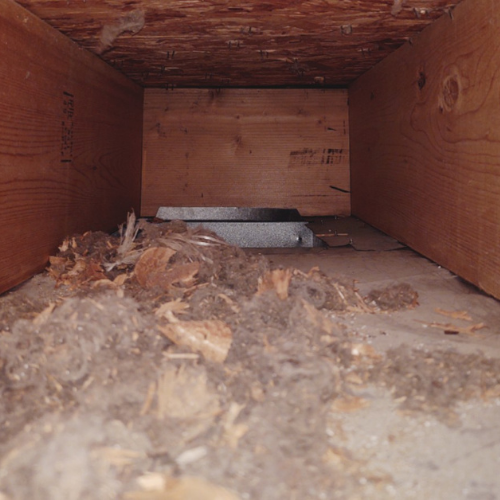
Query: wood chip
point(184, 488)
point(319, 319)
point(341, 458)
point(118, 457)
point(451, 329)
point(150, 268)
point(354, 378)
point(104, 282)
point(464, 315)
point(176, 306)
point(232, 431)
point(212, 338)
point(184, 394)
point(182, 274)
point(191, 456)
point(152, 481)
point(232, 304)
point(149, 399)
point(120, 279)
point(348, 404)
point(79, 267)
point(363, 353)
point(277, 280)
point(44, 315)
point(181, 355)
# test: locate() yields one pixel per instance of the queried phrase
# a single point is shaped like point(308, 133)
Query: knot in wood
point(451, 92)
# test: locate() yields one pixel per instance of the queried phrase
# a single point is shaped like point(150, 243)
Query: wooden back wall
point(246, 148)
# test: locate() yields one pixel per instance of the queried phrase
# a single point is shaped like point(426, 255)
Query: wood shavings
point(320, 320)
point(341, 458)
point(121, 279)
point(149, 399)
point(181, 355)
point(150, 269)
point(232, 431)
point(57, 266)
point(184, 394)
point(364, 354)
point(126, 254)
point(212, 338)
point(127, 238)
point(183, 274)
point(42, 317)
point(65, 245)
point(348, 403)
point(175, 306)
point(185, 488)
point(257, 392)
point(463, 315)
point(152, 481)
point(354, 378)
point(232, 304)
point(277, 280)
point(192, 455)
point(451, 329)
point(118, 457)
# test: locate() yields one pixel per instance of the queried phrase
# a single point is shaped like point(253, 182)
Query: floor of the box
point(355, 404)
point(425, 458)
point(438, 289)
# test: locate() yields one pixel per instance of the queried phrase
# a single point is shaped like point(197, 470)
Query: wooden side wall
point(70, 143)
point(425, 143)
point(246, 148)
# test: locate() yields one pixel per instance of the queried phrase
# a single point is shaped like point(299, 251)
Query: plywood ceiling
point(252, 43)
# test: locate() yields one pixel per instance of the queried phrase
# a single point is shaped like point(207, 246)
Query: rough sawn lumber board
point(70, 143)
point(425, 135)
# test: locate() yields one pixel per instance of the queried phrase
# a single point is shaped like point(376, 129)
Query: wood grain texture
point(246, 148)
point(425, 141)
point(230, 43)
point(70, 143)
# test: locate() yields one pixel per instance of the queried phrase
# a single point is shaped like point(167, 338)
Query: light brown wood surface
point(70, 143)
point(425, 135)
point(246, 148)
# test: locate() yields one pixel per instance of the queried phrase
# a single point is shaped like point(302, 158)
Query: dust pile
point(167, 364)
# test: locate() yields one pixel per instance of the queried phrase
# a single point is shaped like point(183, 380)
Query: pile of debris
point(171, 365)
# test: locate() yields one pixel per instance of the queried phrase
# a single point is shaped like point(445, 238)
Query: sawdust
point(123, 382)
